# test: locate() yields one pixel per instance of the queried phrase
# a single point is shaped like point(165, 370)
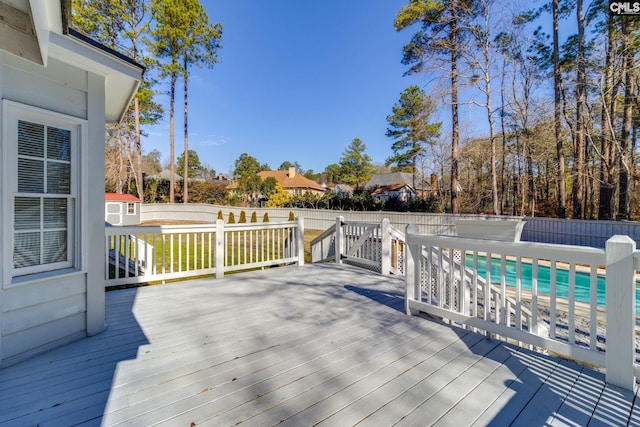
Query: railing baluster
point(164, 254)
point(474, 284)
point(518, 293)
point(487, 288)
point(452, 280)
point(441, 279)
point(504, 314)
point(534, 297)
point(572, 303)
point(552, 300)
point(593, 308)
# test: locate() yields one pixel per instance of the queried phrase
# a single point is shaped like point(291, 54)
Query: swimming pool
point(583, 280)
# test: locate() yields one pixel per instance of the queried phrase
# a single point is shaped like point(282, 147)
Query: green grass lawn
point(196, 252)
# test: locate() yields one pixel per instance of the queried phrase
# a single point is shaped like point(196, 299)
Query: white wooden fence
point(542, 230)
point(164, 252)
point(580, 330)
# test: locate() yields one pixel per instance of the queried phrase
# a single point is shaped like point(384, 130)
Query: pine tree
point(410, 128)
point(201, 44)
point(122, 25)
point(356, 167)
point(441, 36)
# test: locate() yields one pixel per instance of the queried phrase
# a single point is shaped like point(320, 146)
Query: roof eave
point(122, 75)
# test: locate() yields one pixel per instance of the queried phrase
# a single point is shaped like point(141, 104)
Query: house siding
point(41, 315)
point(37, 314)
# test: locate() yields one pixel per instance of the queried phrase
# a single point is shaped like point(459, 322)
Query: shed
point(122, 209)
point(57, 90)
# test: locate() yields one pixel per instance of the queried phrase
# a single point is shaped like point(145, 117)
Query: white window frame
point(132, 211)
point(12, 113)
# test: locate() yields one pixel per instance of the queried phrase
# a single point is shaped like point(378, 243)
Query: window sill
point(44, 276)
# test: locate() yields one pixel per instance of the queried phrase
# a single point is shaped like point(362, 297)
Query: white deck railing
point(584, 330)
point(381, 248)
point(377, 247)
point(140, 254)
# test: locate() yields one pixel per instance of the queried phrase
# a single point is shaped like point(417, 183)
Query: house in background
point(341, 189)
point(57, 90)
point(400, 185)
point(122, 209)
point(292, 182)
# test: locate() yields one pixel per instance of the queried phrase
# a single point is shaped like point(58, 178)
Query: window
point(40, 154)
point(131, 208)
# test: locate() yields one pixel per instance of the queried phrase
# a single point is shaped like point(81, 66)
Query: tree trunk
point(531, 187)
point(185, 181)
point(579, 143)
point(172, 154)
point(627, 121)
point(504, 137)
point(138, 148)
point(557, 82)
point(606, 205)
point(455, 208)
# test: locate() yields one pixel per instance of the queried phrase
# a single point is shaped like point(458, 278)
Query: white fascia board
point(122, 78)
point(46, 17)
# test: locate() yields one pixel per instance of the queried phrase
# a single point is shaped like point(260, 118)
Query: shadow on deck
point(319, 344)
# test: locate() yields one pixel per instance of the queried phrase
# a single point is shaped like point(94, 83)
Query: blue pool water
point(583, 281)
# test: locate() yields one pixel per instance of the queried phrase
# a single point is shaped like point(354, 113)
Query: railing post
point(339, 239)
point(620, 303)
point(219, 249)
point(300, 239)
point(411, 268)
point(385, 229)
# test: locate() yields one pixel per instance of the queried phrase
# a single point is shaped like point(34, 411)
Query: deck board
point(319, 344)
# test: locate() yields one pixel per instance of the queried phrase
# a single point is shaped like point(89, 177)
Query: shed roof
point(114, 197)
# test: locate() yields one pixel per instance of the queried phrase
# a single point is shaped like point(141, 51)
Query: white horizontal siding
point(17, 347)
point(41, 314)
point(30, 317)
point(58, 87)
point(16, 297)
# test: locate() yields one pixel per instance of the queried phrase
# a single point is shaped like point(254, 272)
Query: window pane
point(30, 139)
point(55, 213)
point(58, 141)
point(58, 178)
point(30, 176)
point(26, 250)
point(27, 213)
point(54, 246)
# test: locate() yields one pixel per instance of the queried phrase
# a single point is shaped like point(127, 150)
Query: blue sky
point(298, 81)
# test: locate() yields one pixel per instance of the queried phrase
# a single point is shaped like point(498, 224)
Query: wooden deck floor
point(297, 346)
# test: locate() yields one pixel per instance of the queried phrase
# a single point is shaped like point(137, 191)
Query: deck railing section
point(377, 247)
point(140, 254)
point(551, 319)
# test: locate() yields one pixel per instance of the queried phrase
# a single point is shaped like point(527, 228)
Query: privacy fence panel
point(543, 230)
